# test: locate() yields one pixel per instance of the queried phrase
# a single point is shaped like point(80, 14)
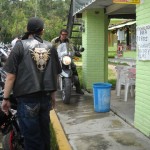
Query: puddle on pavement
point(126, 139)
point(116, 124)
point(78, 120)
point(96, 142)
point(81, 105)
point(81, 111)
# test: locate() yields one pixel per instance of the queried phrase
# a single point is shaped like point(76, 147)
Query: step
point(79, 24)
point(75, 31)
point(76, 37)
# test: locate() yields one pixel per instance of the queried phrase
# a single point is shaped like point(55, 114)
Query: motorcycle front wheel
point(66, 91)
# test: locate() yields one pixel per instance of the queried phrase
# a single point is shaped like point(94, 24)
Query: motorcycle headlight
point(66, 60)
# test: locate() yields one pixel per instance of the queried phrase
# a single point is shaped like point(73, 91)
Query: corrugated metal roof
point(111, 9)
point(79, 5)
point(122, 25)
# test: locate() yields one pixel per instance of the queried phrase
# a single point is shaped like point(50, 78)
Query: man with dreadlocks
point(32, 70)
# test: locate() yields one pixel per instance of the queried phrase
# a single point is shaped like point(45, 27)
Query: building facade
point(142, 99)
point(95, 16)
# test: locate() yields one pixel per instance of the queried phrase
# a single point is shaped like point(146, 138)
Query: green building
point(96, 15)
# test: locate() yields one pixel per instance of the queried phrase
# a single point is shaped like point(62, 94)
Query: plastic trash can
point(102, 95)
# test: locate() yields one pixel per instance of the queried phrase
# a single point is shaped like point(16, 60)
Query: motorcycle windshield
point(62, 50)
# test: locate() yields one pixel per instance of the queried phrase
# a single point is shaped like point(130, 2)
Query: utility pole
point(35, 8)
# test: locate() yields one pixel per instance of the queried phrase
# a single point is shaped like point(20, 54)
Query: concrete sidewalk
point(88, 130)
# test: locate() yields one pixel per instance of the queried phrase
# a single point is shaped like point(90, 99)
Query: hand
point(5, 106)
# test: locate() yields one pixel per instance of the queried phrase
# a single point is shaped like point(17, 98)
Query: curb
point(63, 143)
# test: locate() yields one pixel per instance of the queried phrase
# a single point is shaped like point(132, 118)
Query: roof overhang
point(111, 9)
point(122, 25)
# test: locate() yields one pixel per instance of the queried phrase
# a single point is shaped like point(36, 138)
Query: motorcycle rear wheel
point(66, 91)
point(6, 142)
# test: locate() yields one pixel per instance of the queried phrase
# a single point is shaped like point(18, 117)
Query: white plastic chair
point(127, 79)
point(118, 70)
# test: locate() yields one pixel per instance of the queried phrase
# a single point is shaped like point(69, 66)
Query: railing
point(70, 20)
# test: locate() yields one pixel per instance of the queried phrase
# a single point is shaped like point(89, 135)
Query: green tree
point(15, 13)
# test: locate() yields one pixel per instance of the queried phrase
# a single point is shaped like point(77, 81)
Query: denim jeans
point(34, 120)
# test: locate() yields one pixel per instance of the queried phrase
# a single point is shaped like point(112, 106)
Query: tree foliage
point(15, 13)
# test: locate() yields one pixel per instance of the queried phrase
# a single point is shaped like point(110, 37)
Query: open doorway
point(121, 52)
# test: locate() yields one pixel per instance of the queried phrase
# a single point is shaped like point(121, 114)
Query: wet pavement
point(89, 130)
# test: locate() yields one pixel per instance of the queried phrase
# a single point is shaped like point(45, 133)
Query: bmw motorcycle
point(66, 79)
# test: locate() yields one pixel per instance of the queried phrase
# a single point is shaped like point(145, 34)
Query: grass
point(111, 74)
point(54, 144)
point(131, 54)
point(79, 70)
point(112, 52)
point(112, 48)
point(112, 78)
point(116, 63)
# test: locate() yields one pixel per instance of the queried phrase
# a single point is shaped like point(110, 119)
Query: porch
point(123, 109)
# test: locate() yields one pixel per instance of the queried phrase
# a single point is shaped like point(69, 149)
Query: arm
point(11, 68)
point(54, 43)
point(10, 79)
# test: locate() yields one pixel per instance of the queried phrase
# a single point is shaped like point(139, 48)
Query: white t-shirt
point(120, 35)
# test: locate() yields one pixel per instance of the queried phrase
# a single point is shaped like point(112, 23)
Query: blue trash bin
point(102, 95)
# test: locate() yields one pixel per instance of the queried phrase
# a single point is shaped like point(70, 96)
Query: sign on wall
point(143, 42)
point(127, 1)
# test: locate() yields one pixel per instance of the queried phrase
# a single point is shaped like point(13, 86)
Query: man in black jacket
point(32, 70)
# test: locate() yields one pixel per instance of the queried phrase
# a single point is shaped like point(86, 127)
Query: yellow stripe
point(60, 135)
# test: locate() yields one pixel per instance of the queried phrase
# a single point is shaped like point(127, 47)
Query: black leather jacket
point(38, 68)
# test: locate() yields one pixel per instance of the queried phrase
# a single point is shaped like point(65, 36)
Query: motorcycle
point(4, 53)
point(9, 125)
point(66, 79)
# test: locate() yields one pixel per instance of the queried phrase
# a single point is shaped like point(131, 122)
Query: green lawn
point(54, 145)
point(112, 52)
point(131, 54)
point(111, 78)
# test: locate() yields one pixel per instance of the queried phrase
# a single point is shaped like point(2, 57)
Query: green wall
point(95, 42)
point(142, 102)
